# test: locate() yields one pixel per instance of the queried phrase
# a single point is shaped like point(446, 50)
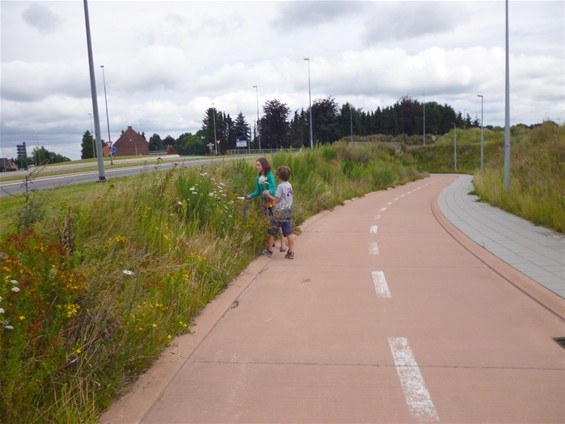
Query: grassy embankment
point(537, 172)
point(97, 279)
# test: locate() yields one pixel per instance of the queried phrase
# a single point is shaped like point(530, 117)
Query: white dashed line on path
point(381, 287)
point(373, 229)
point(416, 394)
point(374, 248)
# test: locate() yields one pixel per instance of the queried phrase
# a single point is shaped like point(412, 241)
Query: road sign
point(114, 150)
point(22, 151)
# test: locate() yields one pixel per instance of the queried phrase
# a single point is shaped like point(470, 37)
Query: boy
point(282, 213)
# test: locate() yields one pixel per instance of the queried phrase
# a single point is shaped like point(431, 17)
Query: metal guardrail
point(262, 151)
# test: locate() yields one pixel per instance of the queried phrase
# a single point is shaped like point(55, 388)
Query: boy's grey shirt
point(284, 193)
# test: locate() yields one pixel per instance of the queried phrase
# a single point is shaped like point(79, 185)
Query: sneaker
point(267, 252)
point(289, 255)
point(282, 249)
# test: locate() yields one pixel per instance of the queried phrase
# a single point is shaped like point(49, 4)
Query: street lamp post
point(101, 176)
point(482, 139)
point(92, 137)
point(258, 121)
point(310, 104)
point(506, 181)
point(215, 137)
point(454, 147)
point(107, 118)
point(351, 122)
point(424, 124)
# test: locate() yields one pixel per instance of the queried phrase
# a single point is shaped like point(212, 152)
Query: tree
point(155, 143)
point(169, 141)
point(325, 117)
point(241, 129)
point(274, 126)
point(216, 126)
point(87, 146)
point(298, 131)
point(190, 144)
point(41, 155)
point(227, 137)
point(410, 115)
point(349, 120)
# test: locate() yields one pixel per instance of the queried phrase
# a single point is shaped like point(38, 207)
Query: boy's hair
point(283, 172)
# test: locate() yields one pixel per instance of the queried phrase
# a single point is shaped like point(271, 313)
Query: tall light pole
point(92, 137)
point(482, 139)
point(454, 147)
point(258, 120)
point(506, 182)
point(215, 137)
point(310, 104)
point(351, 121)
point(101, 176)
point(424, 125)
point(107, 118)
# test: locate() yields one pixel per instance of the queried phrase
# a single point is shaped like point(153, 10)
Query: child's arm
point(257, 191)
point(271, 197)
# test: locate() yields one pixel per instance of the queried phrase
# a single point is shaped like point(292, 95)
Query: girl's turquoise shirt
point(269, 184)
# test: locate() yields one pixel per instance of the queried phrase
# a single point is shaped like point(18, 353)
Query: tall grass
point(537, 176)
point(537, 188)
point(92, 290)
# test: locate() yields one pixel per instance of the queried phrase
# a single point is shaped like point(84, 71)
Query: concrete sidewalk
point(536, 251)
point(388, 314)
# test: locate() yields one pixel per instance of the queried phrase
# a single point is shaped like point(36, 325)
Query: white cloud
point(166, 62)
point(41, 18)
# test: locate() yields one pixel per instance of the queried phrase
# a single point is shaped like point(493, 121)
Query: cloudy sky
point(166, 62)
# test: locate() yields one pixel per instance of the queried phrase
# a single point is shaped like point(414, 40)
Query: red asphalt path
point(388, 314)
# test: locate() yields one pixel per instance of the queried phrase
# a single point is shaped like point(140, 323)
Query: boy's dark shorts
point(281, 220)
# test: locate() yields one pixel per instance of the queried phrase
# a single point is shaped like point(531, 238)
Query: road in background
point(81, 176)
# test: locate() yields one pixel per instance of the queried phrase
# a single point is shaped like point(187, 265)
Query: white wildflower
point(128, 272)
point(15, 289)
point(14, 281)
point(2, 311)
point(179, 203)
point(8, 327)
point(192, 188)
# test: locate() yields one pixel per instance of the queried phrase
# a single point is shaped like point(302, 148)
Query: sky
point(166, 62)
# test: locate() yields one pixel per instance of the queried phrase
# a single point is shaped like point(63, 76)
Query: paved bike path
point(388, 314)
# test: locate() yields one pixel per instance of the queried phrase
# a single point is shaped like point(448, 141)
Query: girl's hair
point(265, 164)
